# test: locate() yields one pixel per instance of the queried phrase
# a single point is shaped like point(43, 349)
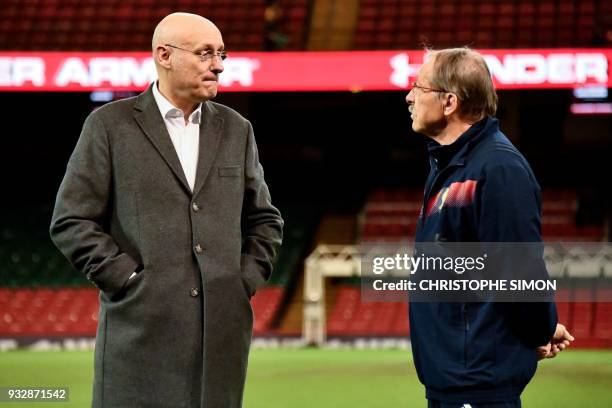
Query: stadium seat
point(266, 304)
point(582, 315)
point(346, 305)
point(401, 327)
point(128, 26)
point(564, 307)
point(384, 318)
point(603, 316)
point(45, 312)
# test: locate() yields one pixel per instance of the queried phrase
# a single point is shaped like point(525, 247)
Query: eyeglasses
point(414, 86)
point(204, 55)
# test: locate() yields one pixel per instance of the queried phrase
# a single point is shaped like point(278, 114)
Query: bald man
point(165, 209)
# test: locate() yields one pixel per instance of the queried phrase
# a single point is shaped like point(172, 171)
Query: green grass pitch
point(314, 378)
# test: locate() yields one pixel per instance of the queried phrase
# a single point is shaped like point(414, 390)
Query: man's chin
point(207, 95)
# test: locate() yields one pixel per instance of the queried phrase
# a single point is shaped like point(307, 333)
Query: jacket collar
point(455, 154)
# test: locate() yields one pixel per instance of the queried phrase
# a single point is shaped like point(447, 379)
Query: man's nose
point(410, 97)
point(216, 64)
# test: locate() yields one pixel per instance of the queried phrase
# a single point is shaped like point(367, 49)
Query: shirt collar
point(169, 111)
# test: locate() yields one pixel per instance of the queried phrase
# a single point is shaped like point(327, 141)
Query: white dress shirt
point(185, 137)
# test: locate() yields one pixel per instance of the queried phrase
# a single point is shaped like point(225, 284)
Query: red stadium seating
point(582, 317)
point(589, 320)
point(391, 215)
point(106, 25)
point(266, 304)
point(564, 307)
point(48, 312)
point(74, 312)
point(344, 309)
point(351, 318)
point(481, 24)
point(603, 317)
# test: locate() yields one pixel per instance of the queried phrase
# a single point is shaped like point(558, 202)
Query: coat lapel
point(152, 124)
point(211, 126)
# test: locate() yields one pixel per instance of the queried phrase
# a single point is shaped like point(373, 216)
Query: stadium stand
point(62, 307)
point(351, 318)
point(27, 257)
point(284, 24)
point(270, 303)
point(265, 308)
point(395, 24)
point(111, 25)
point(293, 23)
point(107, 25)
point(589, 321)
point(332, 229)
point(41, 295)
point(43, 312)
point(603, 317)
point(390, 215)
point(73, 312)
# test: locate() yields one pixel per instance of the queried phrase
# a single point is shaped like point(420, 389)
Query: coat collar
point(149, 119)
point(455, 154)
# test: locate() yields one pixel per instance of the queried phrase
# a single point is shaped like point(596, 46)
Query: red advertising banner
point(300, 71)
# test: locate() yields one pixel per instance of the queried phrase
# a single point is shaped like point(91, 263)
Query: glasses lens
point(208, 55)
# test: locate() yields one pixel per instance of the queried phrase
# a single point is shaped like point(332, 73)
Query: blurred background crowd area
point(343, 167)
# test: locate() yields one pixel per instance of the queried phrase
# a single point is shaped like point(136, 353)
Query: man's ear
point(451, 103)
point(162, 56)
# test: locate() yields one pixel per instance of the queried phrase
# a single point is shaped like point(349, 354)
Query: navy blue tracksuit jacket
point(480, 189)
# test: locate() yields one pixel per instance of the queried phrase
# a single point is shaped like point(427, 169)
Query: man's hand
point(559, 342)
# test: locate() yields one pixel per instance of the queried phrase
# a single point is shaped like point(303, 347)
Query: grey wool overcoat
point(178, 333)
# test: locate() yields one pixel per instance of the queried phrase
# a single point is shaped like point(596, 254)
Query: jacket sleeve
point(509, 203)
point(261, 222)
point(82, 208)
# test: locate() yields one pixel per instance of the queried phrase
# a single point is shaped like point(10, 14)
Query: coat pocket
point(130, 286)
point(229, 171)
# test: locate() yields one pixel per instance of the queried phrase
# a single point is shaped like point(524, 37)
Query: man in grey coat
point(165, 209)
